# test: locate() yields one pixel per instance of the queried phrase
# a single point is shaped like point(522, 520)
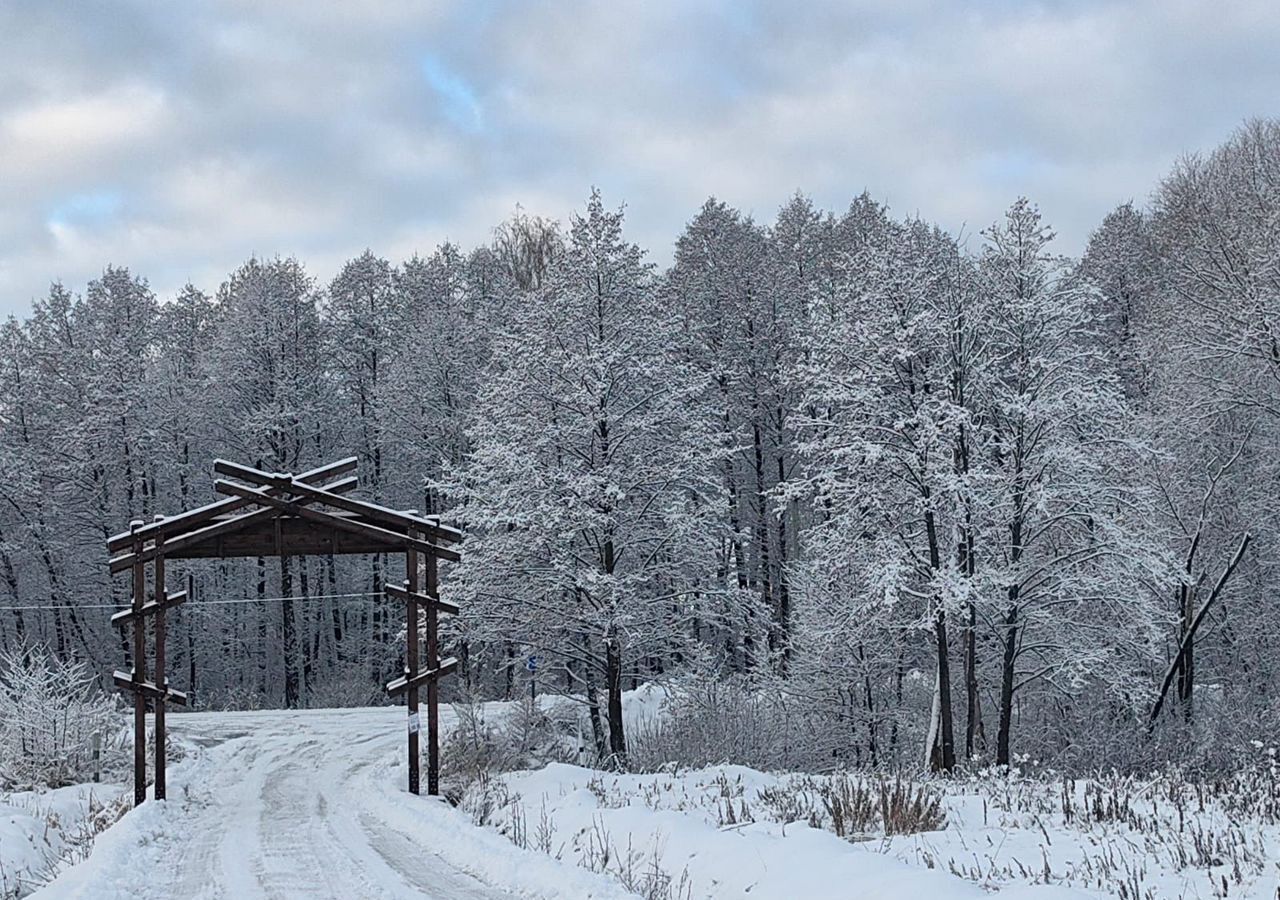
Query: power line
point(228, 602)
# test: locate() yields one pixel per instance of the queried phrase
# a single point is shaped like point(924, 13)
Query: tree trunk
point(613, 686)
point(943, 754)
point(1006, 681)
point(975, 739)
point(288, 631)
point(942, 750)
point(784, 588)
point(593, 701)
point(1186, 639)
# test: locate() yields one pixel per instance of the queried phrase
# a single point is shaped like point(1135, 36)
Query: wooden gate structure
point(281, 514)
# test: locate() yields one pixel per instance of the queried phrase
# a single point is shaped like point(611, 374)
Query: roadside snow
point(313, 804)
point(667, 835)
point(39, 829)
point(730, 831)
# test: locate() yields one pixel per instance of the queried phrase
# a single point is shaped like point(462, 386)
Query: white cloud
point(239, 128)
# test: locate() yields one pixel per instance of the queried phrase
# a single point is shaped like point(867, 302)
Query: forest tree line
point(955, 502)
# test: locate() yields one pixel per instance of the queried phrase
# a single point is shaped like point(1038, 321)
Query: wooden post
point(433, 688)
point(160, 673)
point(411, 667)
point(139, 674)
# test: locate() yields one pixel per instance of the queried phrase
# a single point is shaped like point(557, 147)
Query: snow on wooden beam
point(125, 616)
point(391, 538)
point(297, 485)
point(176, 547)
point(124, 681)
point(423, 600)
point(404, 683)
point(183, 521)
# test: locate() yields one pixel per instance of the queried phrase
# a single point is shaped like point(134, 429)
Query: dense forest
point(890, 497)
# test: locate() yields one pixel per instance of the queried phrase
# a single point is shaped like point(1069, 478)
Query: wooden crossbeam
point(374, 532)
point(227, 526)
point(404, 683)
point(125, 616)
point(183, 521)
point(372, 511)
point(124, 681)
point(377, 513)
point(423, 600)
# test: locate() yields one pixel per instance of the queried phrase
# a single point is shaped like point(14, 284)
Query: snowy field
point(729, 831)
point(312, 804)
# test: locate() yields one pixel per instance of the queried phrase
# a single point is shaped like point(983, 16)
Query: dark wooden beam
point(124, 681)
point(372, 511)
point(177, 546)
point(402, 684)
point(125, 616)
point(373, 532)
point(191, 518)
point(423, 600)
point(382, 514)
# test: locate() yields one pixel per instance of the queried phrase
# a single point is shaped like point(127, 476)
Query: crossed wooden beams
point(281, 514)
point(158, 691)
point(415, 678)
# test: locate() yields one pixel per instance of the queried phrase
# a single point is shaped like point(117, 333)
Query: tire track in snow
point(278, 805)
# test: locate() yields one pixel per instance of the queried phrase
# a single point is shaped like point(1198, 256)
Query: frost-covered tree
point(1063, 504)
point(272, 411)
point(881, 439)
point(591, 481)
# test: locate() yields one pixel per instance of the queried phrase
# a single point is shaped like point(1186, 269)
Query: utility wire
point(229, 602)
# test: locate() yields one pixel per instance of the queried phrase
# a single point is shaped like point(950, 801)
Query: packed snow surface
point(314, 804)
point(307, 804)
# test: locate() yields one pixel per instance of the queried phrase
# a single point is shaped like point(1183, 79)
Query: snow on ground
point(695, 834)
point(307, 804)
point(1146, 838)
point(730, 831)
point(313, 804)
point(38, 830)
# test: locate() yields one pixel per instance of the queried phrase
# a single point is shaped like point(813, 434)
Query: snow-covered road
point(300, 805)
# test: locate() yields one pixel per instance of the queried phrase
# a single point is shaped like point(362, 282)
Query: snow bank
point(669, 832)
point(488, 856)
point(40, 829)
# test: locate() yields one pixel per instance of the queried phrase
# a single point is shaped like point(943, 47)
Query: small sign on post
point(413, 723)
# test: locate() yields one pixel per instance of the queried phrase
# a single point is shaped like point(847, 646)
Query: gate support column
point(433, 686)
point(411, 667)
point(161, 681)
point(139, 674)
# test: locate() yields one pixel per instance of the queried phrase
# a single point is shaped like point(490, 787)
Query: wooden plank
point(376, 513)
point(432, 587)
point(411, 668)
point(160, 601)
point(124, 681)
point(183, 521)
point(318, 540)
point(177, 548)
point(125, 616)
point(402, 684)
point(381, 514)
point(139, 675)
point(420, 599)
point(390, 538)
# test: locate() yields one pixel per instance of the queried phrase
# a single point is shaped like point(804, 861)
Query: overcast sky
point(179, 139)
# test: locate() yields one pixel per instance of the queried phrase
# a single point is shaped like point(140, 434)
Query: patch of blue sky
point(87, 207)
point(458, 101)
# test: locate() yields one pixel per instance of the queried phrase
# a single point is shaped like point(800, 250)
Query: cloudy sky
point(178, 139)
